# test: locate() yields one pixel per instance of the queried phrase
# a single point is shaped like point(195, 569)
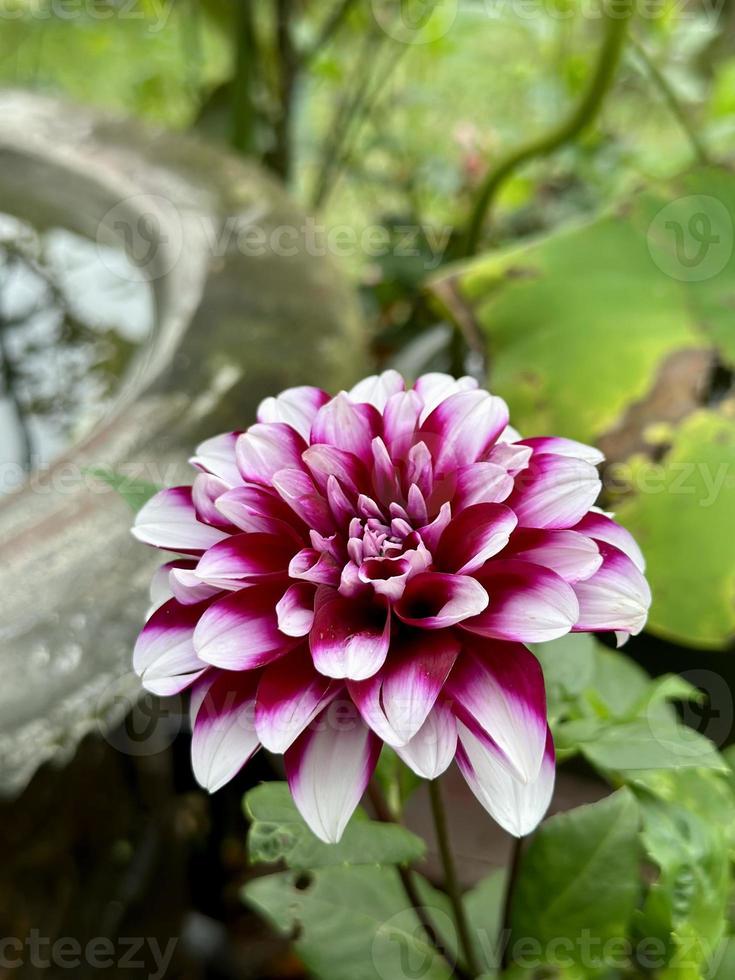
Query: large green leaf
point(609, 332)
point(353, 923)
point(278, 833)
point(579, 878)
point(686, 905)
point(651, 743)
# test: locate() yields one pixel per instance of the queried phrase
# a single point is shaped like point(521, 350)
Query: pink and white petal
point(224, 736)
point(160, 590)
point(298, 490)
point(435, 387)
point(328, 461)
point(266, 448)
point(384, 473)
point(528, 603)
point(314, 566)
point(617, 597)
point(396, 701)
point(497, 690)
point(257, 509)
point(518, 807)
point(510, 456)
point(328, 772)
point(509, 434)
point(554, 491)
point(296, 407)
point(295, 609)
point(571, 555)
point(480, 483)
point(290, 696)
point(168, 520)
point(244, 558)
point(601, 527)
point(350, 636)
point(463, 428)
point(436, 600)
point(204, 494)
point(377, 389)
point(564, 447)
point(164, 656)
point(240, 631)
point(431, 533)
point(339, 503)
point(188, 588)
point(431, 750)
point(473, 536)
point(400, 419)
point(217, 456)
point(347, 425)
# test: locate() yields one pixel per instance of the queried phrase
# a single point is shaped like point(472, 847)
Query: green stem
point(451, 882)
point(671, 100)
point(510, 890)
point(383, 813)
point(244, 114)
point(611, 49)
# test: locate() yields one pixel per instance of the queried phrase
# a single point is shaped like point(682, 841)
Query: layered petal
point(223, 728)
point(350, 637)
point(164, 656)
point(296, 407)
point(601, 527)
point(554, 491)
point(267, 448)
point(517, 806)
point(243, 558)
point(377, 389)
point(240, 631)
point(571, 555)
point(463, 427)
point(617, 597)
point(396, 701)
point(328, 771)
point(217, 456)
point(436, 600)
point(528, 603)
point(564, 447)
point(290, 696)
point(347, 425)
point(431, 750)
point(295, 609)
point(473, 536)
point(168, 520)
point(497, 690)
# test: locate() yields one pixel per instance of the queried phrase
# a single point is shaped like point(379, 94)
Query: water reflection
point(71, 319)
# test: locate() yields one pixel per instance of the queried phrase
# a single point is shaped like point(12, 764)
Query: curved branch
point(616, 19)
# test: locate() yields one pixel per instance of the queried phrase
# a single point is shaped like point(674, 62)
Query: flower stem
point(384, 814)
point(451, 882)
point(510, 890)
point(611, 49)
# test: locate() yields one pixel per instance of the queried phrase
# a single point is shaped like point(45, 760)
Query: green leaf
point(609, 332)
point(686, 905)
point(278, 833)
point(353, 923)
point(396, 780)
point(484, 907)
point(569, 665)
point(133, 491)
point(579, 878)
point(704, 792)
point(653, 743)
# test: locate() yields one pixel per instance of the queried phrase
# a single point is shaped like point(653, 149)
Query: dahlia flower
point(366, 569)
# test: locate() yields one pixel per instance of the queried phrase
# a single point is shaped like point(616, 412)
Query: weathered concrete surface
point(231, 328)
